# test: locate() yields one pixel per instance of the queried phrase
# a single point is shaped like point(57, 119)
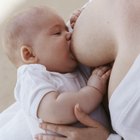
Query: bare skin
point(93, 129)
point(112, 38)
point(110, 32)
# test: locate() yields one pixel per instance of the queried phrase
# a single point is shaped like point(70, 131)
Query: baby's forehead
point(31, 17)
point(33, 20)
point(38, 16)
point(34, 13)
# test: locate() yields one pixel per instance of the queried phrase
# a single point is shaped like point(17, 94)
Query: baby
point(49, 80)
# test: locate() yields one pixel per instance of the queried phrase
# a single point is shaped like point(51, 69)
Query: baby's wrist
point(95, 88)
point(97, 84)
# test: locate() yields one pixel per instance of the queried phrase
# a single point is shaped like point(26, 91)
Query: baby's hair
point(21, 29)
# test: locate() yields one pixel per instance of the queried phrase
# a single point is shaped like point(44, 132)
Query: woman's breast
point(92, 41)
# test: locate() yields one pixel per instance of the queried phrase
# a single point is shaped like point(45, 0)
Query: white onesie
point(33, 82)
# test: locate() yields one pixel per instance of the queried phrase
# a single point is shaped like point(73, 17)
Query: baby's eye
point(57, 33)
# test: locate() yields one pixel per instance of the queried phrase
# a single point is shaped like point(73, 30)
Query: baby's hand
point(74, 17)
point(99, 78)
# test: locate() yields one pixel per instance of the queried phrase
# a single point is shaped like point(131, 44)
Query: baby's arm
point(58, 108)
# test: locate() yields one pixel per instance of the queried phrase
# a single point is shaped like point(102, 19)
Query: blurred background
point(7, 70)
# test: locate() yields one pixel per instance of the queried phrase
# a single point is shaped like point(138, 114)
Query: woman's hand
point(98, 131)
point(93, 131)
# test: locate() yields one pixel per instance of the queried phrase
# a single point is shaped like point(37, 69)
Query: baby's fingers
point(106, 74)
point(74, 17)
point(100, 71)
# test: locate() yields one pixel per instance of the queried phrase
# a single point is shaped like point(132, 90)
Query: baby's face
point(52, 44)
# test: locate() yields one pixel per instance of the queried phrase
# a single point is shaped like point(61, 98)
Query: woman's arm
point(58, 108)
point(93, 131)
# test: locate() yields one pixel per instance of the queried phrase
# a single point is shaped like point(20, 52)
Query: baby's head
point(38, 35)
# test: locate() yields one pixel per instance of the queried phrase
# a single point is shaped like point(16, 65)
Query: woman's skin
point(110, 35)
point(106, 31)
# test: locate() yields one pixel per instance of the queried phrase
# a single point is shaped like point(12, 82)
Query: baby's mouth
point(72, 57)
point(71, 53)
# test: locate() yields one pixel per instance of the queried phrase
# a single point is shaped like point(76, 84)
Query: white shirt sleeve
point(33, 83)
point(124, 104)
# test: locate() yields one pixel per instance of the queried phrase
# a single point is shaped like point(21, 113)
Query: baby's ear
point(27, 55)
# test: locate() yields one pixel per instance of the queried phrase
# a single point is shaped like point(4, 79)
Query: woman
point(107, 31)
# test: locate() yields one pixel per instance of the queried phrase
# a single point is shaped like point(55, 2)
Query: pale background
point(7, 70)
